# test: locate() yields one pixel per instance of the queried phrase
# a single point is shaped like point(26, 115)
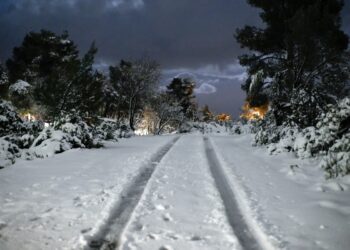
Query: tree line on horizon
point(298, 63)
point(46, 76)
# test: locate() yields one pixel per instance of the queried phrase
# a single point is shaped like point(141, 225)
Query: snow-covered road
point(172, 192)
point(181, 207)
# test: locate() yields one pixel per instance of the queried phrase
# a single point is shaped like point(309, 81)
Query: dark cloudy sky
point(188, 37)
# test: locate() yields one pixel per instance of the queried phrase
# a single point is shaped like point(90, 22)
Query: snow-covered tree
point(334, 135)
point(300, 50)
point(207, 115)
point(13, 129)
point(134, 83)
point(59, 80)
point(10, 122)
point(183, 92)
point(88, 86)
point(168, 112)
point(337, 161)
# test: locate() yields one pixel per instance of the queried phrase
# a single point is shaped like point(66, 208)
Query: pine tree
point(207, 115)
point(183, 92)
point(59, 80)
point(301, 48)
point(48, 62)
point(88, 85)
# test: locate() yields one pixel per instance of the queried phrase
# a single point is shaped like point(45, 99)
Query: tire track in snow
point(107, 236)
point(245, 233)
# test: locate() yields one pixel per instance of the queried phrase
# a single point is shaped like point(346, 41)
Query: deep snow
point(288, 197)
point(59, 202)
point(55, 202)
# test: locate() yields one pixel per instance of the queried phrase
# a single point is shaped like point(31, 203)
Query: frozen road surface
point(172, 192)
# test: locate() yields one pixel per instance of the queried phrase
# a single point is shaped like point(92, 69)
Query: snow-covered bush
point(30, 139)
point(10, 122)
point(19, 88)
point(107, 129)
point(304, 106)
point(268, 135)
point(318, 140)
point(81, 134)
point(73, 125)
point(242, 128)
point(337, 161)
point(51, 142)
point(15, 134)
point(25, 141)
point(329, 138)
point(266, 131)
point(8, 153)
point(188, 127)
point(125, 131)
point(21, 95)
point(14, 129)
point(70, 131)
point(34, 127)
point(306, 143)
point(285, 139)
point(312, 141)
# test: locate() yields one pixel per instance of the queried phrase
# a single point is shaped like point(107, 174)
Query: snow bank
point(15, 134)
point(337, 161)
point(28, 140)
point(8, 153)
point(109, 129)
point(329, 139)
point(51, 142)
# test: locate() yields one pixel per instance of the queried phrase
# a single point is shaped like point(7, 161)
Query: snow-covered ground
point(289, 198)
point(52, 203)
point(173, 192)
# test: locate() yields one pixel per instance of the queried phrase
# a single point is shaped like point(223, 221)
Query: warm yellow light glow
point(147, 123)
point(223, 117)
point(28, 117)
point(254, 113)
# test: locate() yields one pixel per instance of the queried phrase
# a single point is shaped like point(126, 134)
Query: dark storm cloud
point(346, 17)
point(177, 33)
point(193, 37)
